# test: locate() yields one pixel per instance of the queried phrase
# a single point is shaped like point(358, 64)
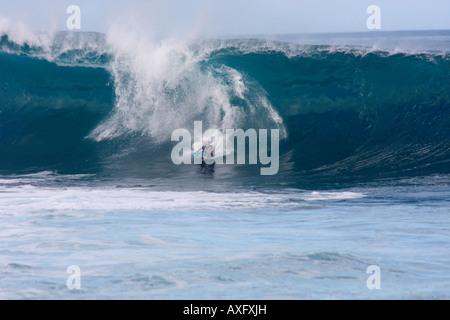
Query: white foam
point(161, 85)
point(323, 196)
point(19, 33)
point(27, 198)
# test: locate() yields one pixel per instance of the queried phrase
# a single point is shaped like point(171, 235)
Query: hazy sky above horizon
point(230, 17)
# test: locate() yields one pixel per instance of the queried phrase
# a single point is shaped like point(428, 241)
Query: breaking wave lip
point(341, 110)
point(78, 48)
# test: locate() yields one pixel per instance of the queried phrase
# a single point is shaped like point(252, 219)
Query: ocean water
point(86, 177)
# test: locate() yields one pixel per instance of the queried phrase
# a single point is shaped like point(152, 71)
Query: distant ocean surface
point(86, 176)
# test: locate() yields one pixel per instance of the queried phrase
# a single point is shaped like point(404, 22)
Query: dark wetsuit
point(207, 168)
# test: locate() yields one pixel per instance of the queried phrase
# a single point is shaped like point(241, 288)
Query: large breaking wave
point(88, 102)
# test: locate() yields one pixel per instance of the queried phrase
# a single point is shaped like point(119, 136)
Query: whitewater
point(86, 177)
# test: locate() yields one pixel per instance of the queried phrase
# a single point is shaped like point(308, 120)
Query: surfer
point(207, 152)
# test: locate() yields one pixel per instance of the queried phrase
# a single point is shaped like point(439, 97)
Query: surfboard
point(198, 155)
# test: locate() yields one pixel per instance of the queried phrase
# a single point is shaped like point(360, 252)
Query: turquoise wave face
point(46, 112)
point(347, 112)
point(375, 113)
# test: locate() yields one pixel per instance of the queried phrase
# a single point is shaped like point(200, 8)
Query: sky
point(231, 17)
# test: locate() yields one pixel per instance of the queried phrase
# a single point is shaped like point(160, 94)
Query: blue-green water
point(277, 243)
point(86, 177)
